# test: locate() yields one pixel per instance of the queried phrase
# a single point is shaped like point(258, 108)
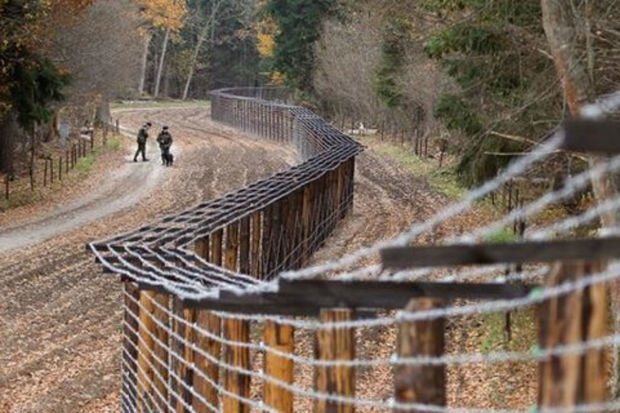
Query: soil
point(60, 318)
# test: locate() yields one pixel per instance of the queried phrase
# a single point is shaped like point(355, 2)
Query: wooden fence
point(195, 293)
point(55, 167)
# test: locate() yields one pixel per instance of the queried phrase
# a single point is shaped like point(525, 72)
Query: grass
point(85, 165)
point(163, 104)
point(21, 194)
point(443, 180)
point(523, 332)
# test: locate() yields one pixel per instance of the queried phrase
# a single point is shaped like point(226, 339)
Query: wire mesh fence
point(223, 313)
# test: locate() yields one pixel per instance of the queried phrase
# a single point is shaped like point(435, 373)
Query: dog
point(167, 158)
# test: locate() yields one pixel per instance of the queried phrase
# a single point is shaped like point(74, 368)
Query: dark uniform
point(164, 139)
point(143, 135)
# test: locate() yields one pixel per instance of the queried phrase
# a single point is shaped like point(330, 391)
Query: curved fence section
point(270, 226)
point(234, 243)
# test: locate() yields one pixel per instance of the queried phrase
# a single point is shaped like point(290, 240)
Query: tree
point(29, 81)
point(494, 51)
point(583, 41)
point(299, 25)
point(208, 19)
point(166, 15)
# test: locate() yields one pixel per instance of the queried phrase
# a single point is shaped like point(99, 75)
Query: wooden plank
point(307, 297)
point(237, 331)
point(209, 370)
point(216, 247)
point(592, 136)
point(424, 383)
point(531, 251)
point(234, 382)
point(392, 294)
point(281, 338)
point(255, 245)
point(181, 380)
point(152, 357)
point(244, 245)
point(572, 379)
point(162, 347)
point(335, 344)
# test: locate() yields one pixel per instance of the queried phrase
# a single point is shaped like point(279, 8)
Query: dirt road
point(60, 319)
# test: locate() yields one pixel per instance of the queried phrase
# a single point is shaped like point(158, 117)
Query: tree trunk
point(8, 137)
point(145, 58)
point(162, 59)
point(575, 71)
point(102, 116)
point(192, 66)
point(209, 25)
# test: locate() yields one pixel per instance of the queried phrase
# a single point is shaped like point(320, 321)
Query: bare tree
point(102, 51)
point(145, 57)
point(162, 59)
point(208, 28)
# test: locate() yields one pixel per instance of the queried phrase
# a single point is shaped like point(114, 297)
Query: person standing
point(143, 135)
point(164, 139)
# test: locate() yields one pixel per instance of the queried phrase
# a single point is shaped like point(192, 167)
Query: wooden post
point(6, 186)
point(146, 398)
point(335, 344)
point(244, 245)
point(235, 330)
point(181, 358)
point(255, 245)
point(60, 168)
point(424, 384)
point(208, 370)
point(306, 220)
point(572, 379)
point(162, 346)
point(44, 172)
point(51, 170)
point(130, 345)
point(216, 248)
point(281, 338)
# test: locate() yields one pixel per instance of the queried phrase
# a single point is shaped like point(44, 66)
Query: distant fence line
point(48, 169)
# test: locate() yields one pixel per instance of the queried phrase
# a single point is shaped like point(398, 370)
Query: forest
point(484, 79)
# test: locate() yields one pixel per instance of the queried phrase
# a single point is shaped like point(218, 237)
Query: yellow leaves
point(167, 14)
point(277, 78)
point(265, 44)
point(266, 30)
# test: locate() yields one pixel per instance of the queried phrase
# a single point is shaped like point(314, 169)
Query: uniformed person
point(143, 135)
point(164, 139)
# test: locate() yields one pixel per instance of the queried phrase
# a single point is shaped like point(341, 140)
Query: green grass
point(442, 180)
point(23, 195)
point(501, 236)
point(113, 144)
point(85, 165)
point(523, 332)
point(163, 104)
